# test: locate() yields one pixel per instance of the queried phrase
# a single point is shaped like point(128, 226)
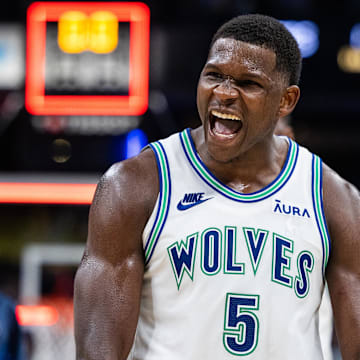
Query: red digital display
point(37, 102)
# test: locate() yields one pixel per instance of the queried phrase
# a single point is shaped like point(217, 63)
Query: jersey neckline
point(206, 175)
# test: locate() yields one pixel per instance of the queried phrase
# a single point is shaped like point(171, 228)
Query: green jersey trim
point(317, 197)
point(164, 199)
point(213, 182)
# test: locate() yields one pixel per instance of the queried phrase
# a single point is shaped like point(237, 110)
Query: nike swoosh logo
point(181, 206)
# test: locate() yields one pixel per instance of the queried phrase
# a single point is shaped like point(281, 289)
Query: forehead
point(237, 56)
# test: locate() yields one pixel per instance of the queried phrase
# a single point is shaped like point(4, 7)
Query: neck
point(252, 170)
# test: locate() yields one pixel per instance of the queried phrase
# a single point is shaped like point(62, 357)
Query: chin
point(222, 154)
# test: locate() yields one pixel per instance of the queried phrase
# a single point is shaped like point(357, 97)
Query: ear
point(289, 100)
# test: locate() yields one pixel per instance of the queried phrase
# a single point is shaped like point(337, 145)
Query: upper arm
point(342, 210)
point(109, 279)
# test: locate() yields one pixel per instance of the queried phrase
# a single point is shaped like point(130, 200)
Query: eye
point(249, 83)
point(212, 75)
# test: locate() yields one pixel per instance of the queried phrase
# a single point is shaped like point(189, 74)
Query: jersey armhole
point(163, 202)
point(317, 198)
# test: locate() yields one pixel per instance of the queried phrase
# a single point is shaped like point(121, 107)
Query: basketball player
point(214, 243)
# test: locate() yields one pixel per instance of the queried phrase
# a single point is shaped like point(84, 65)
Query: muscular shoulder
point(123, 202)
point(341, 204)
point(131, 182)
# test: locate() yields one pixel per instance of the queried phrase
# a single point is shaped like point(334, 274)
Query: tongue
point(226, 127)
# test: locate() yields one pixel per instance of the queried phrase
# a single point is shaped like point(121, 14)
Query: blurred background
point(83, 88)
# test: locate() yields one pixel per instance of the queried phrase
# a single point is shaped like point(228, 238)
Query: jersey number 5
point(241, 327)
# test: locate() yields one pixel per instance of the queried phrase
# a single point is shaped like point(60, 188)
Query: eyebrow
point(254, 74)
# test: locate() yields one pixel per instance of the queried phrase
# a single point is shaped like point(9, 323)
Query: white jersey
point(230, 274)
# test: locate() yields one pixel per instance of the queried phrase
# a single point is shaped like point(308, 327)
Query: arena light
point(36, 315)
point(135, 103)
point(46, 193)
point(355, 36)
point(135, 141)
point(306, 34)
point(348, 59)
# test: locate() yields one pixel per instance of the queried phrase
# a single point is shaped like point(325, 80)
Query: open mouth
point(223, 124)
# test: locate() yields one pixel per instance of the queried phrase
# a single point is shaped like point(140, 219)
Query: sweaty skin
point(109, 279)
point(241, 80)
point(342, 211)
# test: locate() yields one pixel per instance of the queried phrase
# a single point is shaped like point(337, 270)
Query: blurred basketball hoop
point(48, 319)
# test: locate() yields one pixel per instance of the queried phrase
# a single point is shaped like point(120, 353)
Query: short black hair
point(269, 33)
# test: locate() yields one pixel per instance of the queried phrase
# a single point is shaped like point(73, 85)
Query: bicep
point(109, 279)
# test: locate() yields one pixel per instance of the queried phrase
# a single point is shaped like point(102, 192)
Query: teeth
point(225, 116)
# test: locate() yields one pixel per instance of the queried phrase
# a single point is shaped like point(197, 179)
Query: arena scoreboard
point(87, 58)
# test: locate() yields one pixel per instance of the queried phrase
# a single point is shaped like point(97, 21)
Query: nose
point(225, 91)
